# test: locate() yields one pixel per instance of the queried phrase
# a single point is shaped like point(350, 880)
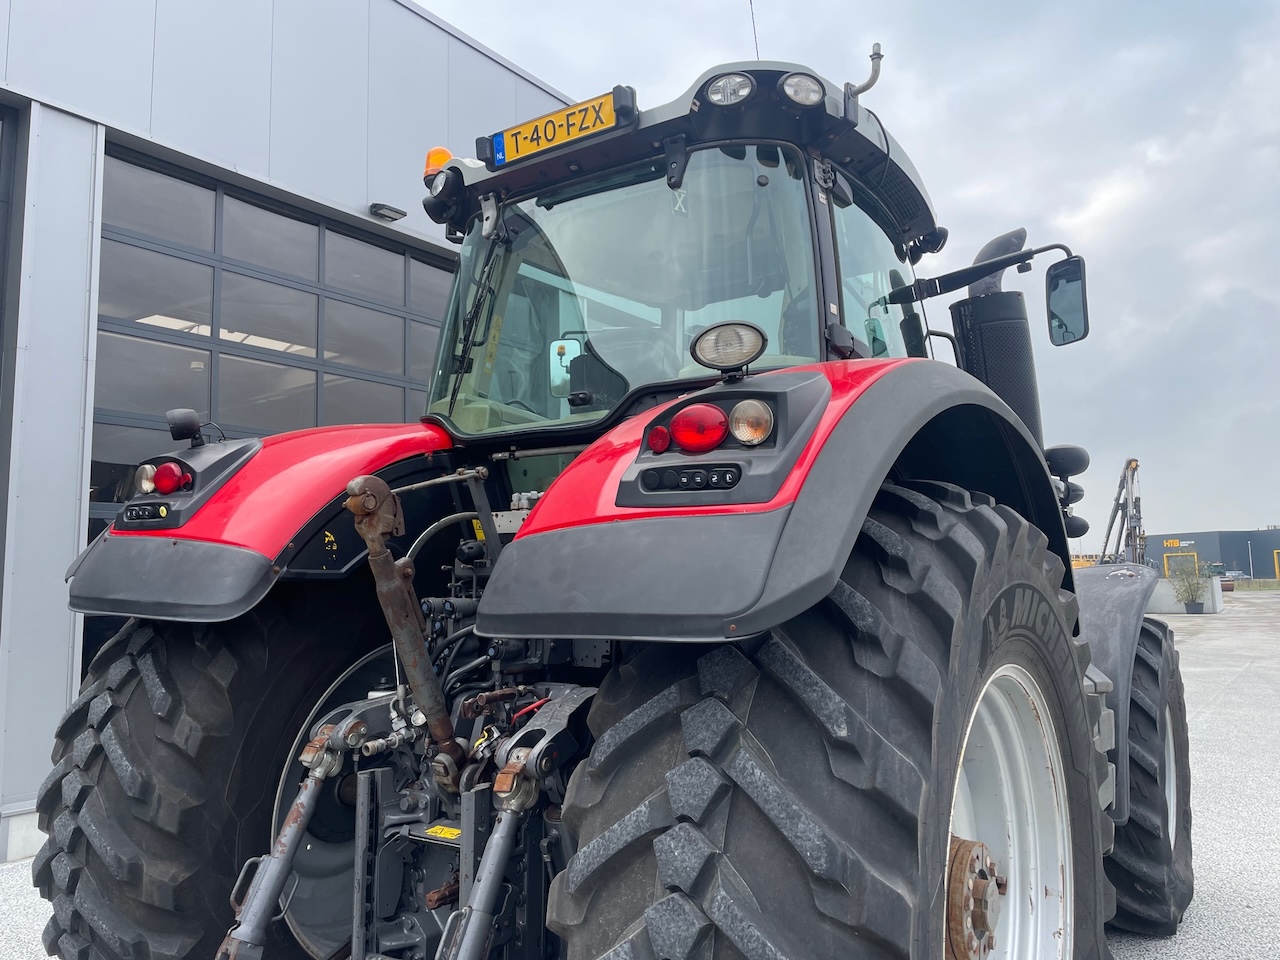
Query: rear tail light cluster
point(165, 478)
point(701, 427)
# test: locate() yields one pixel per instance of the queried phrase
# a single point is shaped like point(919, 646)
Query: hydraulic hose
point(441, 524)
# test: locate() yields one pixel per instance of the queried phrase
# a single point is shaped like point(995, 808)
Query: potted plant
point(1188, 588)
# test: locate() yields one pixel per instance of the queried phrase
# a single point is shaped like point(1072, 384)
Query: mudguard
point(585, 567)
point(1113, 601)
point(246, 530)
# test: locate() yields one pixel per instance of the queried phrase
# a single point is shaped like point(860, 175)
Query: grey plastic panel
point(168, 579)
point(1113, 600)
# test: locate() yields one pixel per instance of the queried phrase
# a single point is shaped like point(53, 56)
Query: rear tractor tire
point(1151, 864)
point(166, 770)
point(907, 770)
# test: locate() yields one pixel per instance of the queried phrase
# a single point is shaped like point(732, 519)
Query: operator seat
point(645, 359)
point(799, 327)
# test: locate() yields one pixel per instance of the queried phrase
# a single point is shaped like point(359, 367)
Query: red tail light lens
point(659, 439)
point(699, 428)
point(169, 478)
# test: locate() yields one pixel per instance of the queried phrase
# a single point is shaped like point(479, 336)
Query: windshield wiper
point(484, 290)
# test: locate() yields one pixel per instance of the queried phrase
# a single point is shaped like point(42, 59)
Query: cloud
point(1145, 135)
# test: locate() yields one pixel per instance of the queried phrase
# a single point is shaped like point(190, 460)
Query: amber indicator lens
point(751, 422)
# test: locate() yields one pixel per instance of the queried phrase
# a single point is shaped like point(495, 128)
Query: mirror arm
point(950, 282)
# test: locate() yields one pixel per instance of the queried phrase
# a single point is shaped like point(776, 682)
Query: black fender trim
point(713, 578)
point(868, 446)
point(1113, 603)
point(674, 578)
point(165, 578)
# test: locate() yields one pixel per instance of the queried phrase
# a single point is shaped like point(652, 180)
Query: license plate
point(563, 126)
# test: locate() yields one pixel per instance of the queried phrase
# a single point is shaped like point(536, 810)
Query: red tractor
point(702, 616)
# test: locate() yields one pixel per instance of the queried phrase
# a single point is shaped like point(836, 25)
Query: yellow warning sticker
point(479, 529)
point(444, 833)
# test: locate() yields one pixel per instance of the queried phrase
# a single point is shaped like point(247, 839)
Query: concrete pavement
point(1231, 667)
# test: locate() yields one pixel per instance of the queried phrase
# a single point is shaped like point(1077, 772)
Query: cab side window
point(869, 269)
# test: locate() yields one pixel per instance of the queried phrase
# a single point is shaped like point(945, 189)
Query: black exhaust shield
point(995, 346)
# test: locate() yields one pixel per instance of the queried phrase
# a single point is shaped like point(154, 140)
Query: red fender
point(586, 491)
point(292, 477)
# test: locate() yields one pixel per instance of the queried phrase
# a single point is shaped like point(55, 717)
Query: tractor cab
point(599, 241)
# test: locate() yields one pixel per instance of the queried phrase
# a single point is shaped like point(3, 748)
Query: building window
point(261, 318)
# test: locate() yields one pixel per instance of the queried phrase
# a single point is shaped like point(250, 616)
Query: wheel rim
point(1170, 779)
point(1009, 876)
point(319, 889)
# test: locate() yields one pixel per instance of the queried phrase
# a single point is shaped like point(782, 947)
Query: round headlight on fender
point(729, 346)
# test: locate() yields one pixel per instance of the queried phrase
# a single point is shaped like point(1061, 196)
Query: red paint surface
point(295, 474)
point(586, 491)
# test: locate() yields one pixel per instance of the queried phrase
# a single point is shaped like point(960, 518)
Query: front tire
point(792, 795)
point(1151, 864)
point(166, 768)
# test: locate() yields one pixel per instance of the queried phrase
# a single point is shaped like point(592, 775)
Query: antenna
point(754, 36)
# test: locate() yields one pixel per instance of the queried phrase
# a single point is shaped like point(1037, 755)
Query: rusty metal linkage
point(378, 516)
point(443, 896)
point(322, 756)
point(482, 703)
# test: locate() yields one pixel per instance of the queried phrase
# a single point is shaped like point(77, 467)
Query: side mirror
point(1067, 304)
point(562, 351)
point(184, 424)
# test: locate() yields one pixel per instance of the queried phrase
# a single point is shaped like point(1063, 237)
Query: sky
point(1145, 135)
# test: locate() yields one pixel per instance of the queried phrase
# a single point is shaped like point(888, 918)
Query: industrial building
point(1250, 553)
point(213, 206)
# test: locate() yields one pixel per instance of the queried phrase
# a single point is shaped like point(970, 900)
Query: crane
point(1131, 538)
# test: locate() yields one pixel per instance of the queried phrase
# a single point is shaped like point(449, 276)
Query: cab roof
point(838, 128)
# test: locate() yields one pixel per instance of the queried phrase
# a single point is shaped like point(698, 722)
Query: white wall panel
point(408, 108)
point(320, 98)
point(532, 101)
point(4, 36)
point(482, 97)
point(93, 58)
point(213, 81)
point(53, 385)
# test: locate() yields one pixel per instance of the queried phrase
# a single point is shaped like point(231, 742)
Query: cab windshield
point(593, 289)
